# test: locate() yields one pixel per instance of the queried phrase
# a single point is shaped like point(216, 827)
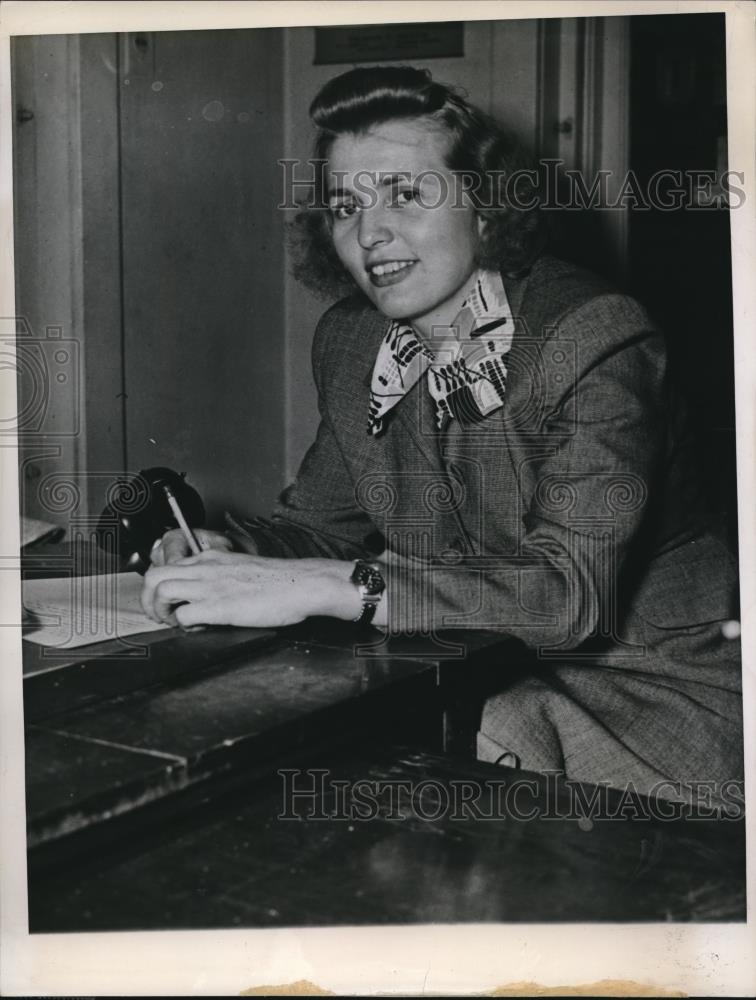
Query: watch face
point(368, 576)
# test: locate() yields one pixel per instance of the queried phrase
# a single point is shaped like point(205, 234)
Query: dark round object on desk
point(138, 513)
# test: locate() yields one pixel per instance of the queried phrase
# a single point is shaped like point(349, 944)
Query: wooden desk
point(237, 863)
point(117, 729)
point(197, 721)
point(153, 795)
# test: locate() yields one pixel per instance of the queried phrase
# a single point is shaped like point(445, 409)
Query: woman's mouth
point(390, 272)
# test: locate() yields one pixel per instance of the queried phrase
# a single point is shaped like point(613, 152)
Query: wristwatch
point(368, 579)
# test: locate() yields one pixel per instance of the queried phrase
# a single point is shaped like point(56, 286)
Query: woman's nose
point(374, 228)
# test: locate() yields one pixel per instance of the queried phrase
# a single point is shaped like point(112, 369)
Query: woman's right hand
point(173, 546)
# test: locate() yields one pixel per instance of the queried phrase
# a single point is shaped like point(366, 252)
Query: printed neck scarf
point(464, 361)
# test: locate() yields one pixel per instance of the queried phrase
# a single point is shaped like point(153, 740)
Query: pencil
point(181, 520)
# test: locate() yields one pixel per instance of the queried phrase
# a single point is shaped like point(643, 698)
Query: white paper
point(76, 611)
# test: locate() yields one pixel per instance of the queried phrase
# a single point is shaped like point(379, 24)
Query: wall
point(47, 208)
point(200, 117)
point(147, 236)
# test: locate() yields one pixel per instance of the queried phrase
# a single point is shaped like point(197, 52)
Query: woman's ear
point(482, 225)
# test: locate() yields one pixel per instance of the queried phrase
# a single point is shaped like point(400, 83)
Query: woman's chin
point(395, 304)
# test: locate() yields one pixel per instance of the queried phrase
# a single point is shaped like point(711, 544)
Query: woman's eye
point(343, 211)
point(406, 196)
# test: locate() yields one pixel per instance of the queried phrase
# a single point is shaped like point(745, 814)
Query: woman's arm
point(584, 511)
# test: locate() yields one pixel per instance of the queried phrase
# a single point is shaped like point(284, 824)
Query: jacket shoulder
point(557, 295)
point(345, 332)
point(553, 288)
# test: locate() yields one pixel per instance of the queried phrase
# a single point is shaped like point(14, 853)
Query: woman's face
point(398, 224)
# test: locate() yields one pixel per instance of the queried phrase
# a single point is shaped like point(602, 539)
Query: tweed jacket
point(571, 518)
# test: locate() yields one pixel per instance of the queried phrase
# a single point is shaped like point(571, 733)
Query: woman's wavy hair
point(481, 152)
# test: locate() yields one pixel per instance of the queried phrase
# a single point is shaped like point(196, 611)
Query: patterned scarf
point(464, 361)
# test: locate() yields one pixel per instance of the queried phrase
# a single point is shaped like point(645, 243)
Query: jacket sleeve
point(585, 501)
point(317, 515)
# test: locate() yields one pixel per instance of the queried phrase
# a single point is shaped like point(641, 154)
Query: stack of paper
point(78, 610)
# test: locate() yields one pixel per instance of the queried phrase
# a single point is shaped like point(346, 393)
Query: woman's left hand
point(229, 588)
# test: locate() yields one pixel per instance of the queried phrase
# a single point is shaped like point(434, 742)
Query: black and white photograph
point(376, 467)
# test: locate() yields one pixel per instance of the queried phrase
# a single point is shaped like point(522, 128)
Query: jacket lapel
point(415, 413)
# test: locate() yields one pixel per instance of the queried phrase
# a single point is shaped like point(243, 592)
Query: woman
point(499, 448)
